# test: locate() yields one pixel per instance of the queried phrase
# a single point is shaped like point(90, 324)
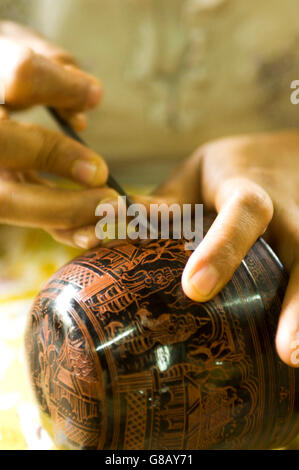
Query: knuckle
point(24, 63)
point(46, 157)
point(21, 75)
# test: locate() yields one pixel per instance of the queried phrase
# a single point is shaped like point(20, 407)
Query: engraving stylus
point(111, 182)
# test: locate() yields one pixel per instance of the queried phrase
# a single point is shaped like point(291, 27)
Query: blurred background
point(175, 73)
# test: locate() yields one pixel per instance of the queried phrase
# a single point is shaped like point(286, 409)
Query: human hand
point(33, 71)
point(28, 200)
point(252, 182)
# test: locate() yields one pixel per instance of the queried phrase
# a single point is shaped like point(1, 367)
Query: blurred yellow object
point(27, 259)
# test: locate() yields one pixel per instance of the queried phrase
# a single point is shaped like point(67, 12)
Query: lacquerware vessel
point(121, 359)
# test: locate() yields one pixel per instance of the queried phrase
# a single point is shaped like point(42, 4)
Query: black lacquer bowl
point(120, 358)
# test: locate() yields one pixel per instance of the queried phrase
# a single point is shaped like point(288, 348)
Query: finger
point(30, 78)
point(148, 200)
point(78, 121)
point(28, 147)
point(53, 208)
point(84, 237)
point(160, 210)
point(287, 337)
point(65, 237)
point(185, 184)
point(35, 41)
point(245, 211)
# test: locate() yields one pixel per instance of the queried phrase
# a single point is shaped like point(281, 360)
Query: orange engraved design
point(121, 359)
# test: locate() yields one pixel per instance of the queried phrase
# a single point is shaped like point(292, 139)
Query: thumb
point(245, 212)
point(287, 338)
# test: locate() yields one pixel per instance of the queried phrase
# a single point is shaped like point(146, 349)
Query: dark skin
point(251, 181)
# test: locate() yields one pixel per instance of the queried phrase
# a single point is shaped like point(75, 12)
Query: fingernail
point(79, 121)
point(94, 95)
point(294, 350)
point(288, 342)
point(205, 280)
point(84, 171)
point(81, 240)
